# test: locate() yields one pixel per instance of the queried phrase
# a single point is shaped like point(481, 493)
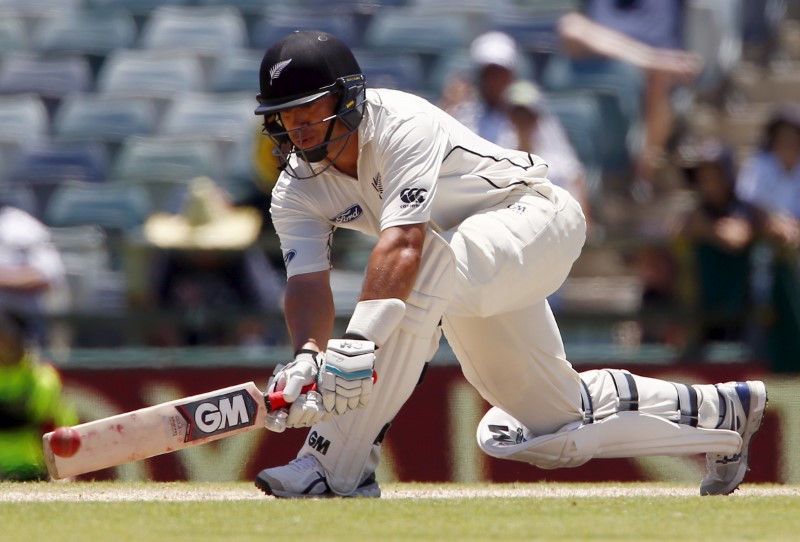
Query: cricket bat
point(164, 428)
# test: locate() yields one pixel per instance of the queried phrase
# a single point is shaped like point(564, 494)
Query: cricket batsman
point(471, 239)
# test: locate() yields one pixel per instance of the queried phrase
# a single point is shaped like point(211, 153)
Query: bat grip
point(275, 400)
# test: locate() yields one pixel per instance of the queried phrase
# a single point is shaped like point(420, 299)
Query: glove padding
point(290, 379)
point(345, 378)
point(305, 411)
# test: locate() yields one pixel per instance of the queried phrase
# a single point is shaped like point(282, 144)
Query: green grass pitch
point(195, 512)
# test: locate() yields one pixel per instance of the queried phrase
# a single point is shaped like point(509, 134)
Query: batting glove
point(290, 379)
point(345, 378)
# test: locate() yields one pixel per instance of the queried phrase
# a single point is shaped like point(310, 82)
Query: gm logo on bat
point(217, 415)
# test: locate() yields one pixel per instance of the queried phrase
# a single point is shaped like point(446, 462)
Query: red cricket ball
point(65, 442)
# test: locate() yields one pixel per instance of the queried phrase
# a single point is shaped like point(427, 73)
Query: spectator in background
point(512, 112)
point(717, 236)
point(648, 35)
point(31, 403)
point(211, 272)
point(538, 131)
point(30, 266)
point(770, 181)
point(770, 178)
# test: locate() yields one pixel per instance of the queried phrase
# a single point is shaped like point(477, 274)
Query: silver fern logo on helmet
point(275, 71)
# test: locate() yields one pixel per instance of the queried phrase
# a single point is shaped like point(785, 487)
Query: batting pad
point(624, 434)
point(344, 444)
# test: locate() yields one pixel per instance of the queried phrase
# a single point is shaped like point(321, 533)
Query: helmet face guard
point(349, 111)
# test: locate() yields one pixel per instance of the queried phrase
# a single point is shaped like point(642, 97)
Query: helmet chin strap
point(320, 152)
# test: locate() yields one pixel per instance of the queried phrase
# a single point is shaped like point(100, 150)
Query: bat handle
point(275, 400)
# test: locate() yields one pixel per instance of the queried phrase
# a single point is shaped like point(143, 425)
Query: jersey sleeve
point(410, 159)
point(305, 237)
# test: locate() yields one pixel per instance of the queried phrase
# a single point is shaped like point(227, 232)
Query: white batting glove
point(307, 410)
point(290, 379)
point(345, 378)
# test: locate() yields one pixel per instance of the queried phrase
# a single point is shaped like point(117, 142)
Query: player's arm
point(309, 310)
point(394, 262)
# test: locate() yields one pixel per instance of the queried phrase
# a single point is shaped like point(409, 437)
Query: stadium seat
point(580, 115)
point(278, 21)
point(156, 73)
point(23, 122)
point(56, 161)
point(139, 8)
point(13, 33)
point(50, 78)
point(238, 72)
point(210, 31)
point(391, 70)
point(618, 89)
point(107, 118)
point(401, 29)
point(93, 34)
point(45, 165)
point(226, 118)
point(163, 165)
point(21, 196)
point(40, 8)
point(111, 206)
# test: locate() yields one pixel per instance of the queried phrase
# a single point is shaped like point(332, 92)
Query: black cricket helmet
point(301, 68)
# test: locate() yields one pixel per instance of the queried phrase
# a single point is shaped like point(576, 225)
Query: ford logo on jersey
point(349, 214)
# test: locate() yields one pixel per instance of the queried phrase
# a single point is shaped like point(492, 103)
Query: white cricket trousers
point(509, 258)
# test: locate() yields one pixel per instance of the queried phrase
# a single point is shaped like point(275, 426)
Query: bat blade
point(160, 429)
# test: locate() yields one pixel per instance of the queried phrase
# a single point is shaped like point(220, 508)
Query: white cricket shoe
point(304, 477)
point(744, 404)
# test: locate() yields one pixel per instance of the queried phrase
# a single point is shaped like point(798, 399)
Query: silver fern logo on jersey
point(275, 71)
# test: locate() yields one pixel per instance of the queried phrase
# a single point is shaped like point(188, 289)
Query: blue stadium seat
point(212, 31)
point(50, 78)
point(229, 121)
point(157, 73)
point(143, 158)
point(46, 165)
point(37, 9)
point(580, 115)
point(23, 122)
point(617, 87)
point(107, 118)
point(21, 196)
point(237, 72)
point(53, 161)
point(114, 207)
point(276, 22)
point(391, 70)
point(139, 8)
point(93, 34)
point(13, 33)
point(163, 165)
point(401, 29)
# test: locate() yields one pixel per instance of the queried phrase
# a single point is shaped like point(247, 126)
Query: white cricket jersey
point(416, 164)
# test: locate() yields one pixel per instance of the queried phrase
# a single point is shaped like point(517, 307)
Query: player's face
point(307, 124)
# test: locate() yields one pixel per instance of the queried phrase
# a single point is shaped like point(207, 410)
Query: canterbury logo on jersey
point(275, 71)
point(349, 214)
point(413, 196)
point(289, 255)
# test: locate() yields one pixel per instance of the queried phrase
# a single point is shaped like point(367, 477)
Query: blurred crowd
point(134, 186)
